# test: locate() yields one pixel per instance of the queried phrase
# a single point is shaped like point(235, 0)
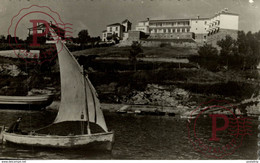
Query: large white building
point(201, 30)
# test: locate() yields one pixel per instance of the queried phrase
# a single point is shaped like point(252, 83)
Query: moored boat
point(36, 102)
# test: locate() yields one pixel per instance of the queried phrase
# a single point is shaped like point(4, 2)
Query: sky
point(94, 15)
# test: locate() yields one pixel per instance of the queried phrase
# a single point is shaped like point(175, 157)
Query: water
point(136, 137)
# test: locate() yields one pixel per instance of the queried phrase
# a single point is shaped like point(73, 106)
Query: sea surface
point(136, 137)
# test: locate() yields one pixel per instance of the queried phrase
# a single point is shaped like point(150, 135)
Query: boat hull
point(25, 102)
point(99, 141)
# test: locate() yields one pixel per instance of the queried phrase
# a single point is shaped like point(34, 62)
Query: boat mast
point(86, 102)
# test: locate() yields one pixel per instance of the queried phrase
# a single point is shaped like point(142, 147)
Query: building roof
point(57, 28)
point(228, 13)
point(51, 25)
point(143, 21)
point(200, 19)
point(125, 21)
point(38, 26)
point(224, 13)
point(174, 20)
point(115, 24)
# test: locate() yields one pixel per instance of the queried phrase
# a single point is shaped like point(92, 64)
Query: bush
point(165, 45)
point(208, 57)
point(207, 51)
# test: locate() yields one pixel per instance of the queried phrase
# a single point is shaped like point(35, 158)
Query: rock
point(11, 70)
point(238, 112)
point(159, 95)
point(166, 93)
point(46, 78)
point(90, 70)
point(124, 108)
point(4, 90)
point(253, 109)
point(39, 92)
point(171, 101)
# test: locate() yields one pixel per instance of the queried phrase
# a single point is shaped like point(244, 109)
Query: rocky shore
point(159, 95)
point(155, 98)
point(163, 100)
point(253, 110)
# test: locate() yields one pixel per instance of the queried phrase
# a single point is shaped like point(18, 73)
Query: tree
point(208, 57)
point(94, 41)
point(136, 49)
point(242, 53)
point(248, 47)
point(253, 42)
point(229, 49)
point(245, 51)
point(242, 42)
point(257, 35)
point(207, 51)
point(113, 37)
point(83, 36)
point(2, 39)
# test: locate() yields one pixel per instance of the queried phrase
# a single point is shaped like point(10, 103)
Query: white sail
point(75, 100)
point(95, 113)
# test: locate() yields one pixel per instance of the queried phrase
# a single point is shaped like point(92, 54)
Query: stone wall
point(221, 34)
point(178, 39)
point(170, 35)
point(200, 38)
point(172, 43)
point(159, 43)
point(134, 35)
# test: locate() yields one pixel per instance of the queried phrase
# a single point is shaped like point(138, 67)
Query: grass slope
point(163, 52)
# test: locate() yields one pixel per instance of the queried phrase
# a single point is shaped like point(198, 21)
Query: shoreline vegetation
point(171, 81)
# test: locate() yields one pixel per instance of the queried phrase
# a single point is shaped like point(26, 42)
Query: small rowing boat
point(36, 102)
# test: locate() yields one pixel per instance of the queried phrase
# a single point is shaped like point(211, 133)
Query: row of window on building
point(214, 24)
point(110, 29)
point(110, 34)
point(170, 24)
point(175, 30)
point(213, 32)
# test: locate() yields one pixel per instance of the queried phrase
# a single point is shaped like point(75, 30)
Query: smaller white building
point(117, 31)
point(104, 35)
point(143, 26)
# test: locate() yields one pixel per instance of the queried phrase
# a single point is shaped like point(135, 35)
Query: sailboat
point(79, 104)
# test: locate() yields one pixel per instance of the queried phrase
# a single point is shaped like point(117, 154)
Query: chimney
point(148, 19)
point(198, 17)
point(226, 9)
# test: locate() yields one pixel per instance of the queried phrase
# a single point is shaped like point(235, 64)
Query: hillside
point(157, 52)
